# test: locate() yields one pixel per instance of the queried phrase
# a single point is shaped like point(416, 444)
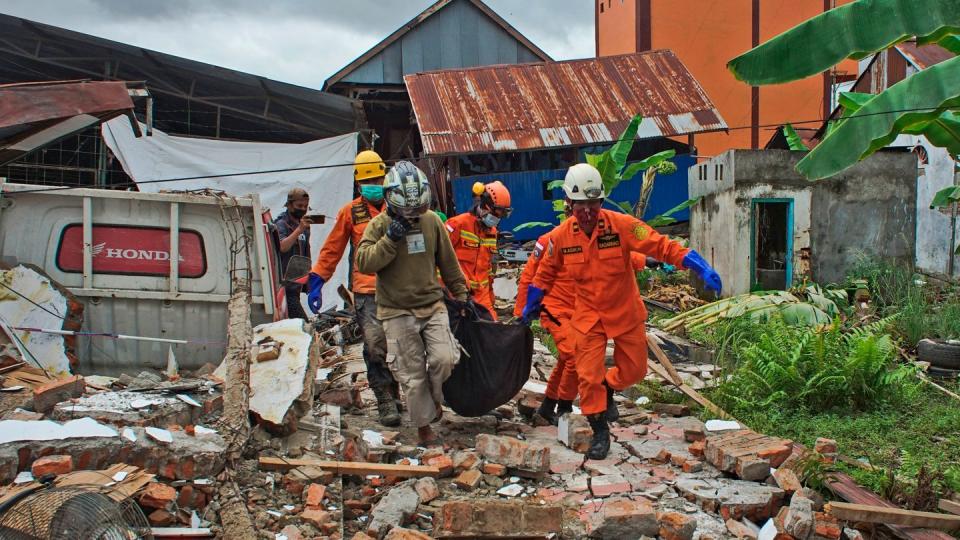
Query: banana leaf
point(621, 149)
point(854, 30)
point(950, 43)
point(554, 184)
point(532, 224)
point(664, 219)
point(921, 97)
point(794, 142)
point(942, 131)
point(558, 205)
point(646, 163)
point(804, 315)
point(945, 197)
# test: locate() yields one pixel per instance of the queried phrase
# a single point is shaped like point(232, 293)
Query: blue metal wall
point(529, 204)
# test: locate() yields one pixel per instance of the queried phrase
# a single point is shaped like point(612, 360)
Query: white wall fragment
point(47, 430)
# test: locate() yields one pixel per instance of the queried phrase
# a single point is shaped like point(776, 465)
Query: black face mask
point(296, 214)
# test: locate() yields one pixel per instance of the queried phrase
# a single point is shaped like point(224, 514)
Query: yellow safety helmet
point(368, 164)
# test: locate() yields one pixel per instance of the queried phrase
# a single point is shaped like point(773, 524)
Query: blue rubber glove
point(314, 297)
point(711, 280)
point(531, 311)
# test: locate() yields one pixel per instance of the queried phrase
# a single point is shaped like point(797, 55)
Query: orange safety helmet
point(494, 195)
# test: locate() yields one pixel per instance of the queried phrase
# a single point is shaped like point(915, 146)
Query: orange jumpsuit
point(608, 303)
point(475, 246)
point(351, 221)
point(562, 383)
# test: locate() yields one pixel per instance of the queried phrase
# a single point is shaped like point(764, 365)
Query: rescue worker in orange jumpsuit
point(368, 172)
point(474, 237)
point(558, 307)
point(593, 249)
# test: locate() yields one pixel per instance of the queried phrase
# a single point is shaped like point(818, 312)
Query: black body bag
point(494, 367)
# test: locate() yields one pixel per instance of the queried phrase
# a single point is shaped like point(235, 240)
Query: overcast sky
point(297, 41)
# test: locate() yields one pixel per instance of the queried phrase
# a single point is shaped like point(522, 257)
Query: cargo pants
point(421, 353)
point(374, 341)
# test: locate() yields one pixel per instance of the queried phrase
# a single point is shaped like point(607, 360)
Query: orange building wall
point(619, 34)
point(705, 35)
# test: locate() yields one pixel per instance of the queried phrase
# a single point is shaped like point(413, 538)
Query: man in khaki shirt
point(404, 247)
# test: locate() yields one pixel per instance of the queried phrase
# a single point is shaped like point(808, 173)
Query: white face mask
point(490, 220)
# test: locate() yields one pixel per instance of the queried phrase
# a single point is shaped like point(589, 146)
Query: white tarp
point(162, 156)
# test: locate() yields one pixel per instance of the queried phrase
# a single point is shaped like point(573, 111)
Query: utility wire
point(437, 156)
point(21, 295)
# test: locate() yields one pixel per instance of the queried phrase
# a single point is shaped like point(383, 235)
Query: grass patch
point(921, 429)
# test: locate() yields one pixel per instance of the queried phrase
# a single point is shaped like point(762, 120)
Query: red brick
point(603, 486)
point(620, 518)
point(161, 518)
point(463, 461)
point(694, 434)
point(314, 494)
point(825, 446)
point(468, 480)
point(678, 459)
point(663, 456)
point(787, 480)
point(213, 404)
point(494, 468)
point(362, 536)
point(427, 489)
point(186, 496)
point(292, 532)
point(50, 393)
point(696, 448)
point(315, 517)
point(442, 462)
point(826, 526)
point(514, 453)
point(692, 466)
point(741, 530)
point(776, 455)
point(158, 495)
point(491, 518)
point(398, 533)
point(51, 465)
point(676, 526)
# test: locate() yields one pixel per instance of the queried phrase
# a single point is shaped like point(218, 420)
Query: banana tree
point(922, 103)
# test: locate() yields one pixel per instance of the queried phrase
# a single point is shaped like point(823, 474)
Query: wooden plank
point(865, 513)
point(949, 506)
point(653, 344)
point(354, 468)
point(181, 532)
point(846, 488)
point(690, 392)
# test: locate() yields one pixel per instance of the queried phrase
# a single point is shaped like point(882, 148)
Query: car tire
point(939, 353)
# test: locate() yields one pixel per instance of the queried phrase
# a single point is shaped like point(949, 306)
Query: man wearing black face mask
point(294, 229)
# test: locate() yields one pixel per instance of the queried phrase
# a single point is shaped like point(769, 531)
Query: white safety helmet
point(583, 183)
point(407, 190)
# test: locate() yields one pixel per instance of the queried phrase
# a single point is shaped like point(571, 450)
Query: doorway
point(771, 246)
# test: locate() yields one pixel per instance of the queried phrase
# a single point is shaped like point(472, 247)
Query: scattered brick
point(494, 518)
point(696, 448)
point(694, 434)
point(186, 497)
point(692, 466)
point(620, 518)
point(825, 446)
point(745, 453)
point(740, 529)
point(161, 518)
point(314, 494)
point(158, 496)
point(663, 456)
point(608, 484)
point(676, 526)
point(427, 489)
point(442, 462)
point(51, 465)
point(826, 526)
point(678, 459)
point(495, 469)
point(315, 517)
point(398, 533)
point(297, 479)
point(518, 455)
point(798, 520)
point(671, 409)
point(292, 532)
point(345, 397)
point(465, 460)
point(787, 480)
point(50, 393)
point(468, 480)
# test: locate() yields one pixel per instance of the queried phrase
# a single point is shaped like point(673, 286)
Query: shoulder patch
point(449, 228)
point(640, 231)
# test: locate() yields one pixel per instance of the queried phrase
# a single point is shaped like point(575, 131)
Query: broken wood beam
point(354, 468)
point(949, 506)
point(690, 392)
point(653, 342)
point(181, 532)
point(865, 513)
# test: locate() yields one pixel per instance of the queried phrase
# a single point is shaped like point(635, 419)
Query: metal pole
point(149, 115)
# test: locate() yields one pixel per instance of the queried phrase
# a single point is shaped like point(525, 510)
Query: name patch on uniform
point(571, 250)
point(360, 214)
point(608, 241)
point(469, 244)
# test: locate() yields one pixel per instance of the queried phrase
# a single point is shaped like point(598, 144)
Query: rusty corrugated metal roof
point(923, 56)
point(557, 104)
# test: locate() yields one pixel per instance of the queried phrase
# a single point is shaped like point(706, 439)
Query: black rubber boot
point(546, 415)
point(386, 407)
point(613, 414)
point(600, 443)
point(395, 390)
point(564, 406)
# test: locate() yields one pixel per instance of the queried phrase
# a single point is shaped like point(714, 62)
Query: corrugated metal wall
point(529, 204)
point(459, 35)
